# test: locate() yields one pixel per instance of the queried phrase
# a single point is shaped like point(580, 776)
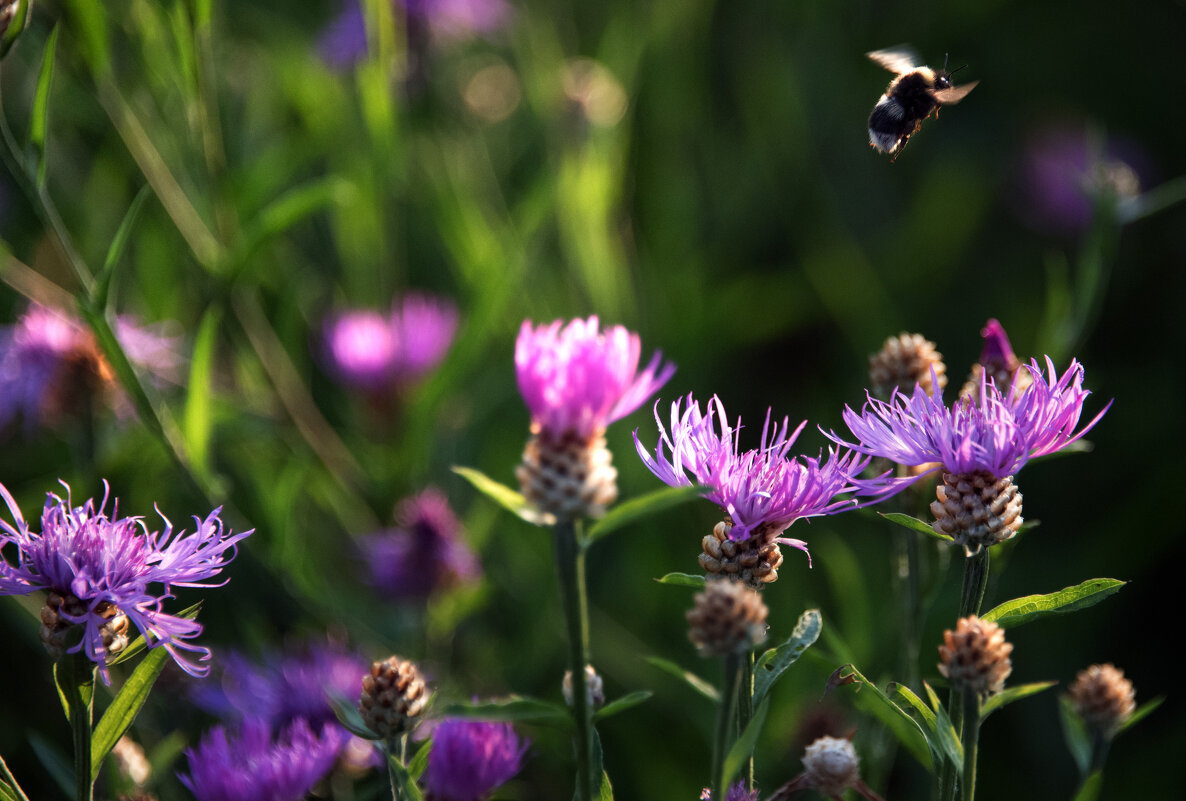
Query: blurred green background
point(697, 171)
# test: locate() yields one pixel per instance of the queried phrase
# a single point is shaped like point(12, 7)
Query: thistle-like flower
point(1103, 698)
point(97, 570)
point(975, 656)
point(904, 362)
point(424, 553)
point(998, 364)
point(979, 445)
point(727, 618)
point(761, 491)
point(471, 758)
point(576, 380)
point(394, 696)
point(250, 765)
point(830, 767)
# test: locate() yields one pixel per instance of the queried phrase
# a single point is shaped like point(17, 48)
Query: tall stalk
point(570, 564)
point(726, 714)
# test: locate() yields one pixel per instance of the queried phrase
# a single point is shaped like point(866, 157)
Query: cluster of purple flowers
point(377, 352)
point(471, 758)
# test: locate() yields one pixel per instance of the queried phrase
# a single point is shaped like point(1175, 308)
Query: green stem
point(745, 711)
point(570, 564)
point(971, 737)
point(7, 777)
point(975, 583)
point(725, 719)
point(908, 582)
point(1100, 743)
point(396, 748)
point(76, 679)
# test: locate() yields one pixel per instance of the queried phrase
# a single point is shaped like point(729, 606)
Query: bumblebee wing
point(955, 94)
point(898, 59)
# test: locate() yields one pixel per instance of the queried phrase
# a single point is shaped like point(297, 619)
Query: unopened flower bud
point(14, 18)
point(1103, 697)
point(131, 761)
point(393, 696)
point(975, 657)
point(594, 688)
point(728, 618)
point(568, 476)
point(906, 361)
point(832, 766)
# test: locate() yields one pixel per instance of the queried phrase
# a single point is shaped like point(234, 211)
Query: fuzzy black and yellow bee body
point(915, 94)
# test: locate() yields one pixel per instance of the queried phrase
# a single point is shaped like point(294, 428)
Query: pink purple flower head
point(576, 378)
point(423, 554)
point(102, 560)
point(249, 765)
point(471, 758)
point(761, 489)
point(997, 348)
point(375, 352)
point(998, 434)
point(736, 792)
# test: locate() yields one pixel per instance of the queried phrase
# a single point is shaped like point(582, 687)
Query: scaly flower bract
point(471, 758)
point(761, 489)
point(251, 766)
point(997, 435)
point(101, 560)
point(575, 378)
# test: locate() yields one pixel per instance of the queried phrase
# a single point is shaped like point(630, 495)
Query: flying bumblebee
point(915, 94)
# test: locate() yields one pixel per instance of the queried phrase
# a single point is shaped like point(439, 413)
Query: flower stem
point(570, 564)
point(396, 748)
point(725, 714)
point(75, 675)
point(908, 581)
point(745, 711)
point(975, 582)
point(971, 737)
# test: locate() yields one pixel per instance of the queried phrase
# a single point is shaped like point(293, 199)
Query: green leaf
point(504, 496)
point(772, 664)
point(622, 704)
point(1013, 694)
point(90, 19)
point(39, 124)
point(946, 739)
point(640, 507)
point(514, 708)
point(125, 706)
point(287, 211)
point(605, 792)
point(64, 679)
point(119, 244)
point(914, 524)
point(1090, 789)
point(691, 679)
point(349, 716)
point(744, 746)
point(683, 580)
point(1140, 712)
point(197, 422)
point(1034, 607)
point(402, 778)
point(9, 789)
point(420, 761)
point(916, 703)
point(902, 723)
point(1075, 734)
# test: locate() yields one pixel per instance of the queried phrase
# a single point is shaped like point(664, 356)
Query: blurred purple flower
point(1062, 173)
point(997, 434)
point(250, 766)
point(761, 490)
point(423, 554)
point(470, 759)
point(375, 352)
point(343, 43)
point(105, 562)
point(736, 792)
point(576, 379)
point(50, 363)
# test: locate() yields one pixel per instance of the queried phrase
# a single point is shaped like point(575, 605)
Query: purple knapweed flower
point(251, 766)
point(471, 758)
point(423, 554)
point(344, 42)
point(576, 379)
point(102, 567)
point(377, 352)
point(997, 434)
point(424, 327)
point(762, 490)
point(50, 364)
point(736, 792)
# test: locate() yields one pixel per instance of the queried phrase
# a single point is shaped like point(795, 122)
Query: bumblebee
point(915, 94)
